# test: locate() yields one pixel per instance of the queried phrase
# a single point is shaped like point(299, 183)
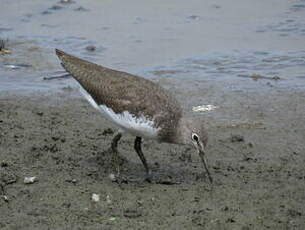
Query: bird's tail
point(77, 67)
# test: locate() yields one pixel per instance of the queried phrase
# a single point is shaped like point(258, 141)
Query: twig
point(62, 76)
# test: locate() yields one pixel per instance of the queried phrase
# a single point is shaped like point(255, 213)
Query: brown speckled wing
point(126, 92)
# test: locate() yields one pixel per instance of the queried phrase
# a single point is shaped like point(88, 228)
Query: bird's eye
point(195, 137)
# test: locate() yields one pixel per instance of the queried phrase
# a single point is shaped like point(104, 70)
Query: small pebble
point(39, 113)
point(91, 48)
point(56, 7)
point(74, 181)
point(5, 51)
point(166, 181)
point(112, 177)
point(193, 17)
point(196, 199)
point(275, 78)
point(66, 1)
point(95, 197)
point(13, 67)
point(132, 213)
point(108, 200)
point(30, 180)
point(46, 12)
point(269, 84)
point(237, 138)
point(108, 131)
point(230, 220)
point(294, 213)
point(5, 198)
point(3, 164)
point(81, 9)
point(140, 202)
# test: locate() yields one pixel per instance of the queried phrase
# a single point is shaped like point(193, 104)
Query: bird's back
point(122, 92)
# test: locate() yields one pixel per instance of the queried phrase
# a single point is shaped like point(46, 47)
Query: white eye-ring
point(195, 137)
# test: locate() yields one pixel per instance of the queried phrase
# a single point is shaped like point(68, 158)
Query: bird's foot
point(148, 177)
point(204, 176)
point(120, 179)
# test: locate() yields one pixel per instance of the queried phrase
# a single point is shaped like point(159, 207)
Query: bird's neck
point(179, 135)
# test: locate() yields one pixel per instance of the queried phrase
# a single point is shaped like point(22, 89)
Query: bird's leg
point(137, 147)
point(201, 154)
point(116, 157)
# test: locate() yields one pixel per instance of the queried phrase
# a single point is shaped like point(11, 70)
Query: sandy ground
point(258, 168)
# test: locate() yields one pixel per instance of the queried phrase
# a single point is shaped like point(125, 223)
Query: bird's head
point(193, 132)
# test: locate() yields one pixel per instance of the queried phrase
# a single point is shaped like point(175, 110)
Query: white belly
point(139, 126)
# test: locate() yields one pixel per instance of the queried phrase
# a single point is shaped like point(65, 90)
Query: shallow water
point(223, 42)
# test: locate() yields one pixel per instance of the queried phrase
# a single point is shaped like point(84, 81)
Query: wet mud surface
point(257, 165)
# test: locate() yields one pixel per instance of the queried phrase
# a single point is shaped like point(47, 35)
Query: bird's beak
point(202, 156)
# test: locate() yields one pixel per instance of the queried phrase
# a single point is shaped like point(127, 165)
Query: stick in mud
point(62, 76)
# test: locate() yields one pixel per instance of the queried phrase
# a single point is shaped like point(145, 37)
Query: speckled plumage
point(122, 91)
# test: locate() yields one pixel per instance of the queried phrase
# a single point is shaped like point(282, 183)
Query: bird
point(137, 106)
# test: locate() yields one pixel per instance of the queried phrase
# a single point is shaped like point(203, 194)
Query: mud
point(258, 169)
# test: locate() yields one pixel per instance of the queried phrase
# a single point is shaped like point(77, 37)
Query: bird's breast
point(137, 125)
